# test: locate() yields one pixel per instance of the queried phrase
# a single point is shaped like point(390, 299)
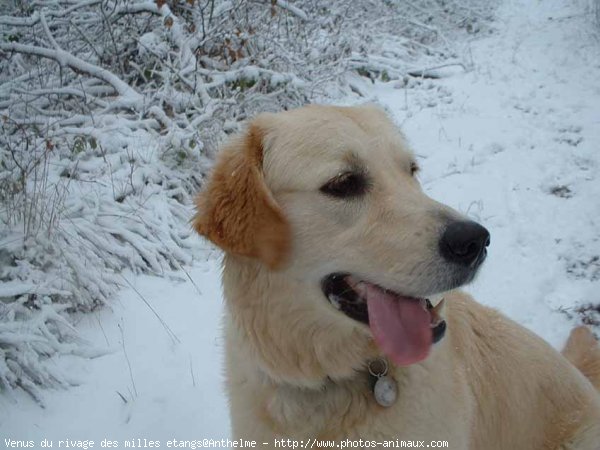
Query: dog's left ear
point(236, 210)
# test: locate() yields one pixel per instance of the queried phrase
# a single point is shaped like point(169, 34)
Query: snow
point(512, 141)
point(161, 376)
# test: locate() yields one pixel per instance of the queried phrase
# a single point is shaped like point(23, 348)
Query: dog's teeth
point(423, 303)
point(439, 308)
point(436, 314)
point(360, 288)
point(335, 301)
point(436, 323)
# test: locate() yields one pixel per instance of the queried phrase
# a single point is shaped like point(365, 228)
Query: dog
point(340, 278)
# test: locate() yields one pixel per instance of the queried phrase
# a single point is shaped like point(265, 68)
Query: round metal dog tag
point(385, 391)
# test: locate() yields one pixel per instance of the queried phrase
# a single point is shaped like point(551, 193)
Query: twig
point(127, 359)
point(192, 372)
point(170, 332)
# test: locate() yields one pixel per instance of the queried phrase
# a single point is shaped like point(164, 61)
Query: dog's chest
point(350, 411)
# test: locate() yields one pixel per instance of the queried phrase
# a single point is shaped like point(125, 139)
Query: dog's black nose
point(464, 242)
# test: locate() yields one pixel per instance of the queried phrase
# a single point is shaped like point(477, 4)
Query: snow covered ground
point(513, 142)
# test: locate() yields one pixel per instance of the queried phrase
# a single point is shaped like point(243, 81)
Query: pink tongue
point(400, 325)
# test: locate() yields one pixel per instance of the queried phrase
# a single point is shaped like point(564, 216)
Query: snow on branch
point(129, 97)
point(291, 8)
point(35, 17)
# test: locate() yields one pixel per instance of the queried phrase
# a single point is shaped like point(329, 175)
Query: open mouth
point(403, 327)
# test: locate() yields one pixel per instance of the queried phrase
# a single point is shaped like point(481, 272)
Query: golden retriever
point(335, 266)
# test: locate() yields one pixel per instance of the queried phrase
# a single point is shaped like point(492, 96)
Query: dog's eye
point(347, 184)
point(414, 168)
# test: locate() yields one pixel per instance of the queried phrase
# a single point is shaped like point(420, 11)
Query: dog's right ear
point(236, 210)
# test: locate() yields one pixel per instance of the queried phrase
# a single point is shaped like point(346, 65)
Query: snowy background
point(111, 113)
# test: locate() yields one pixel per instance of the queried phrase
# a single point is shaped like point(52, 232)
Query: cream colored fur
point(296, 367)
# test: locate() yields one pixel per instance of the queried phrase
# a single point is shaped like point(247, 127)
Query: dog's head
point(325, 199)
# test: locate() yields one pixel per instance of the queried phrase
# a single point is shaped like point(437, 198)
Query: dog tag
point(385, 389)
